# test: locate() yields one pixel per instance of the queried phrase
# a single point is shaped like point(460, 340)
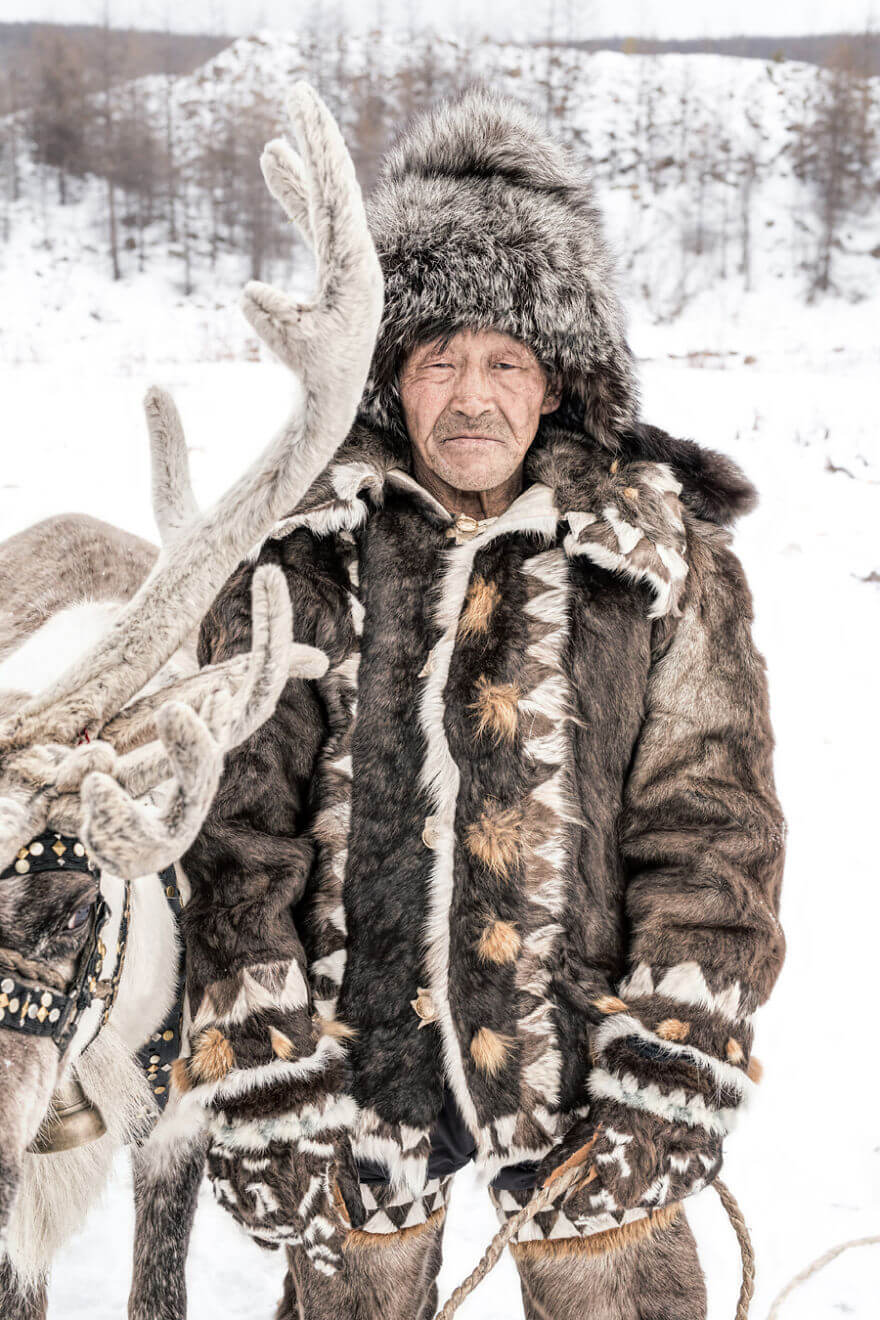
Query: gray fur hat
point(482, 219)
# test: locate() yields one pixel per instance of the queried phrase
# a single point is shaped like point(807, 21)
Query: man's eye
point(509, 366)
point(79, 918)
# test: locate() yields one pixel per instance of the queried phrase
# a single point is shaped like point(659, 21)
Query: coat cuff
point(258, 1057)
point(669, 1046)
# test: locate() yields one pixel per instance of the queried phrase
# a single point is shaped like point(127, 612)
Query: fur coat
point(536, 779)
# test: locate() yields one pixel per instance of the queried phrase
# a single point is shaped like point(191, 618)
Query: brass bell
point(72, 1121)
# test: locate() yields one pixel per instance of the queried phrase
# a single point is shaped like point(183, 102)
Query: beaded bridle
point(33, 1006)
point(29, 1004)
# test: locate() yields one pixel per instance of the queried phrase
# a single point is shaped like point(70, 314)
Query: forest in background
point(174, 152)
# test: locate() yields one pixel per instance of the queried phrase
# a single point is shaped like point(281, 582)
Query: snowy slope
point(677, 224)
point(806, 1164)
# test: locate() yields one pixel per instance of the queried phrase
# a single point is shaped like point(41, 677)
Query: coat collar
point(624, 514)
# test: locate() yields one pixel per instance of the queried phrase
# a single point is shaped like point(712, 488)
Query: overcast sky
point(669, 18)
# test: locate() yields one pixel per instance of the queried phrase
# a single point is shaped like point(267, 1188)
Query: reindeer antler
point(329, 344)
point(174, 504)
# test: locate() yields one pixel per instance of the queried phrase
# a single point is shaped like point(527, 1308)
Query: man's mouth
point(493, 439)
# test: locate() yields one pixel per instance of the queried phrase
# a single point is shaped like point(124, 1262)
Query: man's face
point(472, 408)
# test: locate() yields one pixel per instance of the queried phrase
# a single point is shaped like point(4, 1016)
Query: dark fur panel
point(703, 835)
point(252, 858)
point(314, 570)
point(320, 917)
point(492, 792)
point(393, 1062)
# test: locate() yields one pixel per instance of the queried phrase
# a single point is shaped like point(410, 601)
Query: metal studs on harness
point(37, 1009)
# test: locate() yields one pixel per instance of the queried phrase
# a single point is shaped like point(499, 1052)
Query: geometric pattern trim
point(396, 1211)
point(570, 1221)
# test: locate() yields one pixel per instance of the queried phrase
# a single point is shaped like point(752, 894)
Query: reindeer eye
point(79, 918)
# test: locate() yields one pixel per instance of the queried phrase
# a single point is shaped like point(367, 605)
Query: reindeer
point(107, 773)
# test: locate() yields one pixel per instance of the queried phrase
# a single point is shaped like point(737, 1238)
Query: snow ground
point(806, 1164)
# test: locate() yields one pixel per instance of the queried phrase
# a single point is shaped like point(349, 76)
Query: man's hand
point(273, 1086)
point(661, 1103)
point(640, 1160)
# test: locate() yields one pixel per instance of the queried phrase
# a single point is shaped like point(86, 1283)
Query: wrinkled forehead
point(467, 342)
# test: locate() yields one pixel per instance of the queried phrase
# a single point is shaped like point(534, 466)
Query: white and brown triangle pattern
point(391, 1211)
point(636, 529)
point(548, 813)
point(571, 1219)
point(330, 827)
point(403, 1150)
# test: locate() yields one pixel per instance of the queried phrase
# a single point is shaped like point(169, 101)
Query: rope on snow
point(815, 1267)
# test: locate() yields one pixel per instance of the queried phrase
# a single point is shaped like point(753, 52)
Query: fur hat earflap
point(482, 219)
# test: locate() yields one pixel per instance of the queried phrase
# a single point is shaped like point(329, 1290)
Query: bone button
point(423, 1005)
point(431, 832)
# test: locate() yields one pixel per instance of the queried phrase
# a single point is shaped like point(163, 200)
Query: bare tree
point(59, 106)
point(837, 157)
point(748, 167)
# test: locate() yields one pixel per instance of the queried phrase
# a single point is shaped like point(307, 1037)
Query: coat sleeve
point(246, 968)
point(702, 840)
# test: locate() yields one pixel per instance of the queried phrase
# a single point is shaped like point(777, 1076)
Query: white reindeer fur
point(57, 1191)
point(68, 634)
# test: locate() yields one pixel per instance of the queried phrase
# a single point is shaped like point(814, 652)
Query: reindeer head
point(113, 755)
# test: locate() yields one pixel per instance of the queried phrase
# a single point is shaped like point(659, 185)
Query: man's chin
point(472, 471)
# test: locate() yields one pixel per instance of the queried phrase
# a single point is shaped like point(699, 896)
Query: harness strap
point(37, 1009)
point(163, 1047)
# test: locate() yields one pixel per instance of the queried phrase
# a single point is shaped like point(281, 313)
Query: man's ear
point(552, 394)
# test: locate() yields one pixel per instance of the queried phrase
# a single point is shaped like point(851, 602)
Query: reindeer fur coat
point(535, 786)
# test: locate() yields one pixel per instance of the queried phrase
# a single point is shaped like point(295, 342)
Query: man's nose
point(471, 395)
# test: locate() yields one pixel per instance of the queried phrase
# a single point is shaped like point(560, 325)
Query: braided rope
point(815, 1267)
point(542, 1200)
point(568, 1177)
point(746, 1250)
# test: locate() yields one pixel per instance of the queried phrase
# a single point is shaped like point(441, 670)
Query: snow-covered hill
point(696, 161)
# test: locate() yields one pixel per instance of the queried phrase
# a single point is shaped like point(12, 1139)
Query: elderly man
point(505, 881)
